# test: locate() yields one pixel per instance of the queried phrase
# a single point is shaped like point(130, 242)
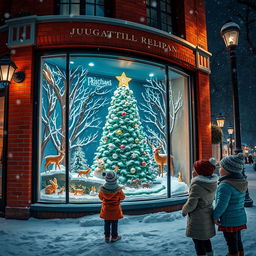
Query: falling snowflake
point(191, 11)
point(154, 4)
point(182, 36)
point(7, 15)
point(5, 132)
point(13, 51)
point(142, 19)
point(10, 155)
point(17, 177)
point(18, 101)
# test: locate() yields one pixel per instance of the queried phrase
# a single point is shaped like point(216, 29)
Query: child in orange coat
point(111, 194)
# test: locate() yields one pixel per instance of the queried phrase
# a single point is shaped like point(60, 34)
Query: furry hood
point(208, 183)
point(110, 193)
point(240, 185)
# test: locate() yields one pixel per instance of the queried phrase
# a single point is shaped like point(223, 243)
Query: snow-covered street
point(152, 234)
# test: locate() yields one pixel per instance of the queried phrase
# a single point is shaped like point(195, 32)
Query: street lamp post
point(230, 132)
point(230, 33)
point(220, 123)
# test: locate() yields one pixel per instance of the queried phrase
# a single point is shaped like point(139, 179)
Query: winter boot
point(107, 238)
point(209, 253)
point(115, 238)
point(241, 253)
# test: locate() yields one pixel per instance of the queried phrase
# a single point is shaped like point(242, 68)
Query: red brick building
point(72, 53)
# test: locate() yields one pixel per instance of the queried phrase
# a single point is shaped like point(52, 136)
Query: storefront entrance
point(2, 147)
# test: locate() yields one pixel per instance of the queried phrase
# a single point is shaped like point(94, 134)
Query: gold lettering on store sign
point(122, 36)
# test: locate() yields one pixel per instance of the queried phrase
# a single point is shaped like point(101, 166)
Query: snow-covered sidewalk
point(151, 234)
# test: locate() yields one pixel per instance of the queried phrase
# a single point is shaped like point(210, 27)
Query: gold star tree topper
point(123, 80)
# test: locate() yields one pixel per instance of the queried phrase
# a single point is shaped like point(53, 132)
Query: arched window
point(159, 14)
point(81, 7)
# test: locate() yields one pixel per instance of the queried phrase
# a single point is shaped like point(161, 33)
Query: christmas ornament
point(111, 145)
point(123, 80)
point(136, 126)
point(112, 116)
point(123, 113)
point(143, 163)
point(132, 170)
point(144, 153)
point(115, 156)
point(112, 102)
point(122, 146)
point(134, 155)
point(137, 140)
point(126, 103)
point(119, 132)
point(118, 109)
point(105, 138)
point(144, 140)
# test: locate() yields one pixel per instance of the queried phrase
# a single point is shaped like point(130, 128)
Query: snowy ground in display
point(150, 235)
point(156, 190)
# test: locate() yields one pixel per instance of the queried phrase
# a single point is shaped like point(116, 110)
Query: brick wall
point(203, 115)
point(195, 23)
point(19, 160)
point(132, 10)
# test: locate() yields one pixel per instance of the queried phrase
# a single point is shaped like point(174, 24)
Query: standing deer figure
point(54, 160)
point(161, 160)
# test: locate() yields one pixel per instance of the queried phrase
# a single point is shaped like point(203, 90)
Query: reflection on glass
point(117, 121)
point(179, 131)
point(109, 127)
point(52, 129)
point(1, 142)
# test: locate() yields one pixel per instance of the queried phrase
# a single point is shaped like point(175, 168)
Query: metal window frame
point(68, 53)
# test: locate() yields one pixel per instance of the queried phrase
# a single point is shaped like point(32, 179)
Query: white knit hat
point(233, 163)
point(111, 180)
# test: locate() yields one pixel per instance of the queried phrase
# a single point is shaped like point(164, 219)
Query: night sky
point(218, 12)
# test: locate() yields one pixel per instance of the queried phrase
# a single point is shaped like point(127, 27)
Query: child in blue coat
point(229, 211)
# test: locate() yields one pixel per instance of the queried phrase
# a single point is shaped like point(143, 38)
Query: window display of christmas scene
point(117, 120)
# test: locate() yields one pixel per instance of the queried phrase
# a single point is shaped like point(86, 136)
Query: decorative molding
point(21, 32)
point(203, 60)
point(103, 20)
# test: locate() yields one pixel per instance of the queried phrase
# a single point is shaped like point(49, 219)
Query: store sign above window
point(123, 36)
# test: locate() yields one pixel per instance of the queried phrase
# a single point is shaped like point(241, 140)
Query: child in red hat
point(200, 225)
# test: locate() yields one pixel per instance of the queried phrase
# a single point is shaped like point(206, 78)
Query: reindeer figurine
point(56, 159)
point(78, 191)
point(84, 172)
point(161, 159)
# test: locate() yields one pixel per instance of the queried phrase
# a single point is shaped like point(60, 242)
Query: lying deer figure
point(54, 160)
point(78, 191)
point(161, 160)
point(84, 172)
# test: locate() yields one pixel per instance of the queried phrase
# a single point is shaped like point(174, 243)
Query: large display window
point(112, 113)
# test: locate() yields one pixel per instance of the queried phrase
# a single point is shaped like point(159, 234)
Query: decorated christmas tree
point(79, 162)
point(123, 145)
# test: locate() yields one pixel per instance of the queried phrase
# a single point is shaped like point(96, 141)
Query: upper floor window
point(81, 7)
point(159, 14)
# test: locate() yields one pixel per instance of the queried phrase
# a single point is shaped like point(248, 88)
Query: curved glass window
point(117, 120)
